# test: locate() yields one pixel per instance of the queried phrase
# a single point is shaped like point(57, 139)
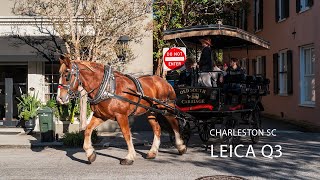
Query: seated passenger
point(185, 77)
point(234, 75)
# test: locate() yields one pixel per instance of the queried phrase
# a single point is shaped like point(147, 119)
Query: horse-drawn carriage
point(115, 96)
point(208, 105)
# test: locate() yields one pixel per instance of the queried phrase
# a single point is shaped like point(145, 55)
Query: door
point(13, 83)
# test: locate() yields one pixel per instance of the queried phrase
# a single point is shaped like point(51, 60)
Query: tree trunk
point(83, 108)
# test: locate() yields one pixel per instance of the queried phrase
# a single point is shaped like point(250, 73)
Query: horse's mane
point(93, 65)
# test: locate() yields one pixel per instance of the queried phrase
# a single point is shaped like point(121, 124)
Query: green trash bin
point(46, 124)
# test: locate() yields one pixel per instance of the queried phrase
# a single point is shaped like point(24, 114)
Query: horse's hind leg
point(182, 148)
point(124, 125)
point(156, 139)
point(87, 145)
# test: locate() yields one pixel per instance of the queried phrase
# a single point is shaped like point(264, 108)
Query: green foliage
point(28, 106)
point(76, 139)
point(172, 14)
point(68, 111)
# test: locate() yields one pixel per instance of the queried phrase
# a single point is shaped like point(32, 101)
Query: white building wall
point(36, 79)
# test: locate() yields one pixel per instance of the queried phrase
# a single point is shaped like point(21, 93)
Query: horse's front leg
point(87, 144)
point(124, 125)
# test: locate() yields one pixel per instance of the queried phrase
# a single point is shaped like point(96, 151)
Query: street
point(300, 160)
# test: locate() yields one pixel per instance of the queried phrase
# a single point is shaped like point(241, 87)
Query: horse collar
point(106, 87)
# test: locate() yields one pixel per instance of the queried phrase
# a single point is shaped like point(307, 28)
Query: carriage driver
point(232, 79)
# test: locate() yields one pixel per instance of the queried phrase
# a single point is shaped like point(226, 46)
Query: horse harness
point(107, 87)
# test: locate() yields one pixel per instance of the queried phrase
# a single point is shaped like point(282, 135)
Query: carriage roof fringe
point(223, 36)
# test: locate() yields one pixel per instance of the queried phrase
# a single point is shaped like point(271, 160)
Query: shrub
point(76, 139)
point(28, 106)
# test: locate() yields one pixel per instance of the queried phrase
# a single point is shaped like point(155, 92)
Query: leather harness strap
point(139, 90)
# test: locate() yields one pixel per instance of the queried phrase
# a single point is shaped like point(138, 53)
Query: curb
point(60, 145)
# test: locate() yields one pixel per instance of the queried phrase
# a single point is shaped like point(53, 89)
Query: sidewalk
point(16, 138)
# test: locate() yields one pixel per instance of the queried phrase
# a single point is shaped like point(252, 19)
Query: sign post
point(174, 58)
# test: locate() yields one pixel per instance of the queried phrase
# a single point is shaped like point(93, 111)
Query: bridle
point(74, 71)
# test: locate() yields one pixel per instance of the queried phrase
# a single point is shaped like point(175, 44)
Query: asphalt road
point(300, 160)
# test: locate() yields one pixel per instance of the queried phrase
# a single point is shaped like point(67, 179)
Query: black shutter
point(245, 20)
point(254, 67)
point(289, 72)
point(238, 19)
point(277, 10)
point(275, 74)
point(298, 6)
point(255, 15)
point(264, 66)
point(310, 3)
point(261, 14)
point(247, 66)
point(286, 9)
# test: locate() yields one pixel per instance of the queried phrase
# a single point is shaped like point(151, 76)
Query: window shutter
point(275, 74)
point(310, 3)
point(264, 66)
point(255, 15)
point(261, 14)
point(238, 19)
point(254, 66)
point(247, 66)
point(289, 72)
point(277, 10)
point(286, 9)
point(298, 6)
point(245, 23)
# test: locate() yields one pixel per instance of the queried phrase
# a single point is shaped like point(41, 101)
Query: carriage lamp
point(121, 47)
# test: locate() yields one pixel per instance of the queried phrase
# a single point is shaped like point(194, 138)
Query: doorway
point(13, 83)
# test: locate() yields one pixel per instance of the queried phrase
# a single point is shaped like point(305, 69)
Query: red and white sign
point(174, 58)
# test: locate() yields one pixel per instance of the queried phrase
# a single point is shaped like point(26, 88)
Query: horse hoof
point(182, 151)
point(92, 157)
point(151, 155)
point(126, 162)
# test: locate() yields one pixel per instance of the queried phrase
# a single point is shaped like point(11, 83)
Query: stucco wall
point(307, 26)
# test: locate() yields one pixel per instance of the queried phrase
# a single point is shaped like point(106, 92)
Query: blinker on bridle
point(73, 71)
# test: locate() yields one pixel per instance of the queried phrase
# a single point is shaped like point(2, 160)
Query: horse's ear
point(64, 59)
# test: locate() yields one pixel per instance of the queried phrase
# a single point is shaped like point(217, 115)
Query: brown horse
point(90, 76)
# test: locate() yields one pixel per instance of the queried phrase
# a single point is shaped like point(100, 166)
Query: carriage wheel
point(255, 123)
point(230, 123)
point(204, 131)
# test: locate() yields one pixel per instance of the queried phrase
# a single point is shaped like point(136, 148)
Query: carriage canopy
point(222, 36)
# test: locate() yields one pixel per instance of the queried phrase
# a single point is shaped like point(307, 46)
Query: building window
point(307, 72)
point(282, 73)
point(258, 14)
point(282, 10)
point(259, 66)
point(244, 64)
point(240, 19)
point(302, 5)
point(51, 79)
point(283, 70)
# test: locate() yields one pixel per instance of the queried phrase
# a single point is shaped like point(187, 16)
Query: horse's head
point(69, 80)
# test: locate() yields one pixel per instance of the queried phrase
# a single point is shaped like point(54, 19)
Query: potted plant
point(27, 108)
